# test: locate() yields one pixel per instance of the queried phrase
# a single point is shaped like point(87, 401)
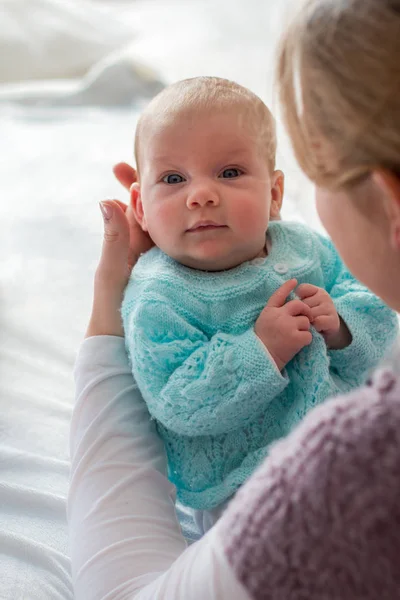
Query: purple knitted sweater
point(320, 519)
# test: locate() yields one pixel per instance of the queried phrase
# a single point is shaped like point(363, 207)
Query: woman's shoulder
point(336, 482)
point(378, 400)
point(367, 418)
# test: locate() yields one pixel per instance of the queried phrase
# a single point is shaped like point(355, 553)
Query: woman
point(321, 517)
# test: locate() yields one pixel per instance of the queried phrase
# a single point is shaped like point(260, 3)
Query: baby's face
point(205, 190)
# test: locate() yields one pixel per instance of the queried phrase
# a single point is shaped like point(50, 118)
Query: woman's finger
point(112, 273)
point(121, 204)
point(125, 174)
point(113, 265)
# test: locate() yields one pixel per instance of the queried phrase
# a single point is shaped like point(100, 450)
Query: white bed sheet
point(57, 144)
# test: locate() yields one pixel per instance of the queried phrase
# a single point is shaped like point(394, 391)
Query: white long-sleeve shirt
point(125, 539)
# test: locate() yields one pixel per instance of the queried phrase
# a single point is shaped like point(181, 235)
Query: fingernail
point(106, 211)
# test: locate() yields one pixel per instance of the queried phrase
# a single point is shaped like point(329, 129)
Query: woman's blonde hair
point(339, 87)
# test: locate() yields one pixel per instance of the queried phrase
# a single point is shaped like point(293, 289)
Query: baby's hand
point(324, 316)
point(284, 327)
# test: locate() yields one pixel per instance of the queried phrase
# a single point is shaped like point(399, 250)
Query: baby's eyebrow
point(235, 154)
point(160, 158)
point(224, 158)
point(158, 162)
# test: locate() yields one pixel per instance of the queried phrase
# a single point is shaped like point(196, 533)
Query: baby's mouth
point(205, 226)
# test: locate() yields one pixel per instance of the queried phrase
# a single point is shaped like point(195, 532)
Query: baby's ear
point(137, 205)
point(277, 189)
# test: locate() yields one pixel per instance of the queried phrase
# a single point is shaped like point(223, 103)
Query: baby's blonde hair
point(209, 94)
point(339, 86)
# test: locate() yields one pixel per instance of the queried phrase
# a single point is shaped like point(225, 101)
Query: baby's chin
point(213, 265)
point(216, 262)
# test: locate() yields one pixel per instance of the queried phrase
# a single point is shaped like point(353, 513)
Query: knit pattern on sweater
point(217, 398)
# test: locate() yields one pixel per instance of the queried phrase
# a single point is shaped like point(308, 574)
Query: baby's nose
point(202, 196)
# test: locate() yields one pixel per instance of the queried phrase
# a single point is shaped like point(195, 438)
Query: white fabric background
point(59, 139)
point(42, 39)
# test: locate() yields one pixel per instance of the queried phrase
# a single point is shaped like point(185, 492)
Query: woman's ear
point(137, 205)
point(388, 184)
point(277, 190)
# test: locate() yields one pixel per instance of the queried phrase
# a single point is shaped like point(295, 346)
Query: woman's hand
point(124, 241)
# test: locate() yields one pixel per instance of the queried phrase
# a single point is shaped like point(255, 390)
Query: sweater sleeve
point(195, 385)
point(373, 326)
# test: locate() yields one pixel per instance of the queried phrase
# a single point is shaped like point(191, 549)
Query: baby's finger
point(294, 308)
point(303, 323)
point(312, 301)
point(322, 310)
point(278, 298)
point(304, 338)
point(306, 290)
point(322, 324)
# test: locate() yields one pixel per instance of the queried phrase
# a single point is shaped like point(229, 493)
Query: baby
point(227, 358)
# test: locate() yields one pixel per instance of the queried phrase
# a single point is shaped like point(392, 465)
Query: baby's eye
point(230, 173)
point(173, 178)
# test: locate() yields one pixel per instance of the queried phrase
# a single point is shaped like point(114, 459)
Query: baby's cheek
point(162, 217)
point(158, 225)
point(251, 219)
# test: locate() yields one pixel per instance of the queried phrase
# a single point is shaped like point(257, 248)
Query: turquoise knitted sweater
point(216, 396)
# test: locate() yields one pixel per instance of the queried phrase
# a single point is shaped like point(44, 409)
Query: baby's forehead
point(170, 124)
point(186, 136)
point(170, 121)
